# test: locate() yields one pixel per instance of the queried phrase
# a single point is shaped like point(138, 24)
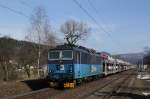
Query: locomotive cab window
point(67, 54)
point(54, 54)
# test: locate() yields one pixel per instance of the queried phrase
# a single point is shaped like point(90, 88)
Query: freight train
point(69, 66)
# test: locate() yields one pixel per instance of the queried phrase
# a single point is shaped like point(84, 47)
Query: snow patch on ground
point(144, 77)
point(146, 93)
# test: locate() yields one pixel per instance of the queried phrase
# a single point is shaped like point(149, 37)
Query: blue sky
point(127, 21)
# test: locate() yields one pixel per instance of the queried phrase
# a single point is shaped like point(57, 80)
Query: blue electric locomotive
point(70, 65)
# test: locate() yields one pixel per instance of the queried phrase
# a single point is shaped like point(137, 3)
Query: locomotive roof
point(63, 47)
point(81, 48)
point(68, 47)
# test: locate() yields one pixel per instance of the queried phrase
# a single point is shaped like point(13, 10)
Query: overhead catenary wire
point(98, 14)
point(89, 15)
point(25, 3)
point(14, 11)
point(94, 20)
point(81, 7)
point(22, 14)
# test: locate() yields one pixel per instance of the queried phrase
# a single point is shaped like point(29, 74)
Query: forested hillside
point(17, 55)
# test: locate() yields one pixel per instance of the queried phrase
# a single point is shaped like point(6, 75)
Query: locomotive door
point(78, 57)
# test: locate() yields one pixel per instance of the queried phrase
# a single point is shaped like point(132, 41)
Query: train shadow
point(36, 84)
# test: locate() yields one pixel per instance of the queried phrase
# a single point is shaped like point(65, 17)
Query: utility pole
point(39, 52)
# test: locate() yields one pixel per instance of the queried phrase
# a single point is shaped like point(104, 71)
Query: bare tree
point(6, 55)
point(40, 31)
point(26, 57)
point(74, 31)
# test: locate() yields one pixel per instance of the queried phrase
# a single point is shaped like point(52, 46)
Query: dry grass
point(13, 88)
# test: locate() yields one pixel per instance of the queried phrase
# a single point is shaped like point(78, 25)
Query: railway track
point(90, 88)
point(84, 91)
point(110, 90)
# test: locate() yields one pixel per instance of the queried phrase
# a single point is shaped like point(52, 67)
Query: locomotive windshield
point(63, 55)
point(54, 55)
point(67, 54)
